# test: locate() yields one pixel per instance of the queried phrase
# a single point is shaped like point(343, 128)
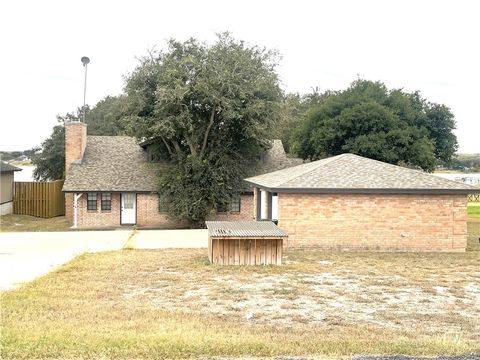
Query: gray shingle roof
point(112, 163)
point(118, 163)
point(352, 173)
point(4, 167)
point(247, 229)
point(275, 158)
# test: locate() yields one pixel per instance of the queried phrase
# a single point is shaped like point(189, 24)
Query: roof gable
point(275, 158)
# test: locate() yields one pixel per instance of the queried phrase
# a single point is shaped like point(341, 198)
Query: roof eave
point(365, 191)
point(9, 171)
point(109, 191)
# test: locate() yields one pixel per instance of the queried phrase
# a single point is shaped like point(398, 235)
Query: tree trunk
point(207, 132)
point(191, 145)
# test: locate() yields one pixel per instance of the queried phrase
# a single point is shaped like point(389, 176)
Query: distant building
point(6, 187)
point(470, 179)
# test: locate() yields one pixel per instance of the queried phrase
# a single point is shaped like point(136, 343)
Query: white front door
point(128, 211)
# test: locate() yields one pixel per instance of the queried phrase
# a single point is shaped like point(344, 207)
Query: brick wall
point(147, 212)
point(75, 142)
point(375, 222)
point(96, 218)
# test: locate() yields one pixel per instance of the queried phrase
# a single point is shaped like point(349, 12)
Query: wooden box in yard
point(245, 243)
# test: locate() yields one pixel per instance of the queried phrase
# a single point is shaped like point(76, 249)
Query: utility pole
point(85, 60)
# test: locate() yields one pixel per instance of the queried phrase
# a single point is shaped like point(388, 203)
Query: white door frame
point(263, 204)
point(275, 206)
point(125, 217)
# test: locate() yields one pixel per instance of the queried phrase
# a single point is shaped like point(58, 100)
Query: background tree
point(49, 158)
point(388, 125)
point(106, 117)
point(208, 109)
point(294, 112)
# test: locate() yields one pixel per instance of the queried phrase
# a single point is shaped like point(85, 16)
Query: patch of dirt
point(323, 292)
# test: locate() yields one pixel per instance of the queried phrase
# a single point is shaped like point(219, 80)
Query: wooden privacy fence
point(40, 199)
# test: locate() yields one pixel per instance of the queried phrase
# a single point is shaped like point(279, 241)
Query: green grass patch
point(474, 210)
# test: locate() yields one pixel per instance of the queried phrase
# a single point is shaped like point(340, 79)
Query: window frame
point(106, 201)
point(153, 156)
point(162, 206)
point(222, 208)
point(92, 203)
point(229, 208)
point(236, 200)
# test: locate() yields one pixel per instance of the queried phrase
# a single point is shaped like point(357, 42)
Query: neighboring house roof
point(244, 229)
point(112, 163)
point(4, 167)
point(355, 174)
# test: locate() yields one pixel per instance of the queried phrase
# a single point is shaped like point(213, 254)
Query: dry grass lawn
point(13, 222)
point(173, 304)
point(473, 241)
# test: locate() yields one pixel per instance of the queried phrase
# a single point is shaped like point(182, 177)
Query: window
point(222, 208)
point(235, 204)
point(153, 154)
point(106, 201)
point(162, 204)
point(92, 201)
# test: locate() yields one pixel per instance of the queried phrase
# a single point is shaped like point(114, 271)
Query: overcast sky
point(431, 46)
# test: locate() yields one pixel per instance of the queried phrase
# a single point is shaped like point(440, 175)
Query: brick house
point(351, 202)
point(110, 182)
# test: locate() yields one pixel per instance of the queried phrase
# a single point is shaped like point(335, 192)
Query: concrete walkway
point(25, 256)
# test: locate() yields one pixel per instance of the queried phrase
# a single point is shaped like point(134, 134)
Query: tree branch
point(191, 145)
point(167, 146)
point(207, 131)
point(176, 146)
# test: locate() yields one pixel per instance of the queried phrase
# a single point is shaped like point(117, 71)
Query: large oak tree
point(208, 110)
point(388, 125)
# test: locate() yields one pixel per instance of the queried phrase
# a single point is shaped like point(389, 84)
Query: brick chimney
point(75, 142)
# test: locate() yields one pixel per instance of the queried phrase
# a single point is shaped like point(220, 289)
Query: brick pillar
point(75, 142)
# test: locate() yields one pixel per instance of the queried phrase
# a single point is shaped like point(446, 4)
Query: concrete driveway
point(25, 256)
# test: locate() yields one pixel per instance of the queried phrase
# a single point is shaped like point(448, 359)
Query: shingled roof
point(119, 163)
point(5, 167)
point(112, 163)
point(275, 158)
point(355, 174)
